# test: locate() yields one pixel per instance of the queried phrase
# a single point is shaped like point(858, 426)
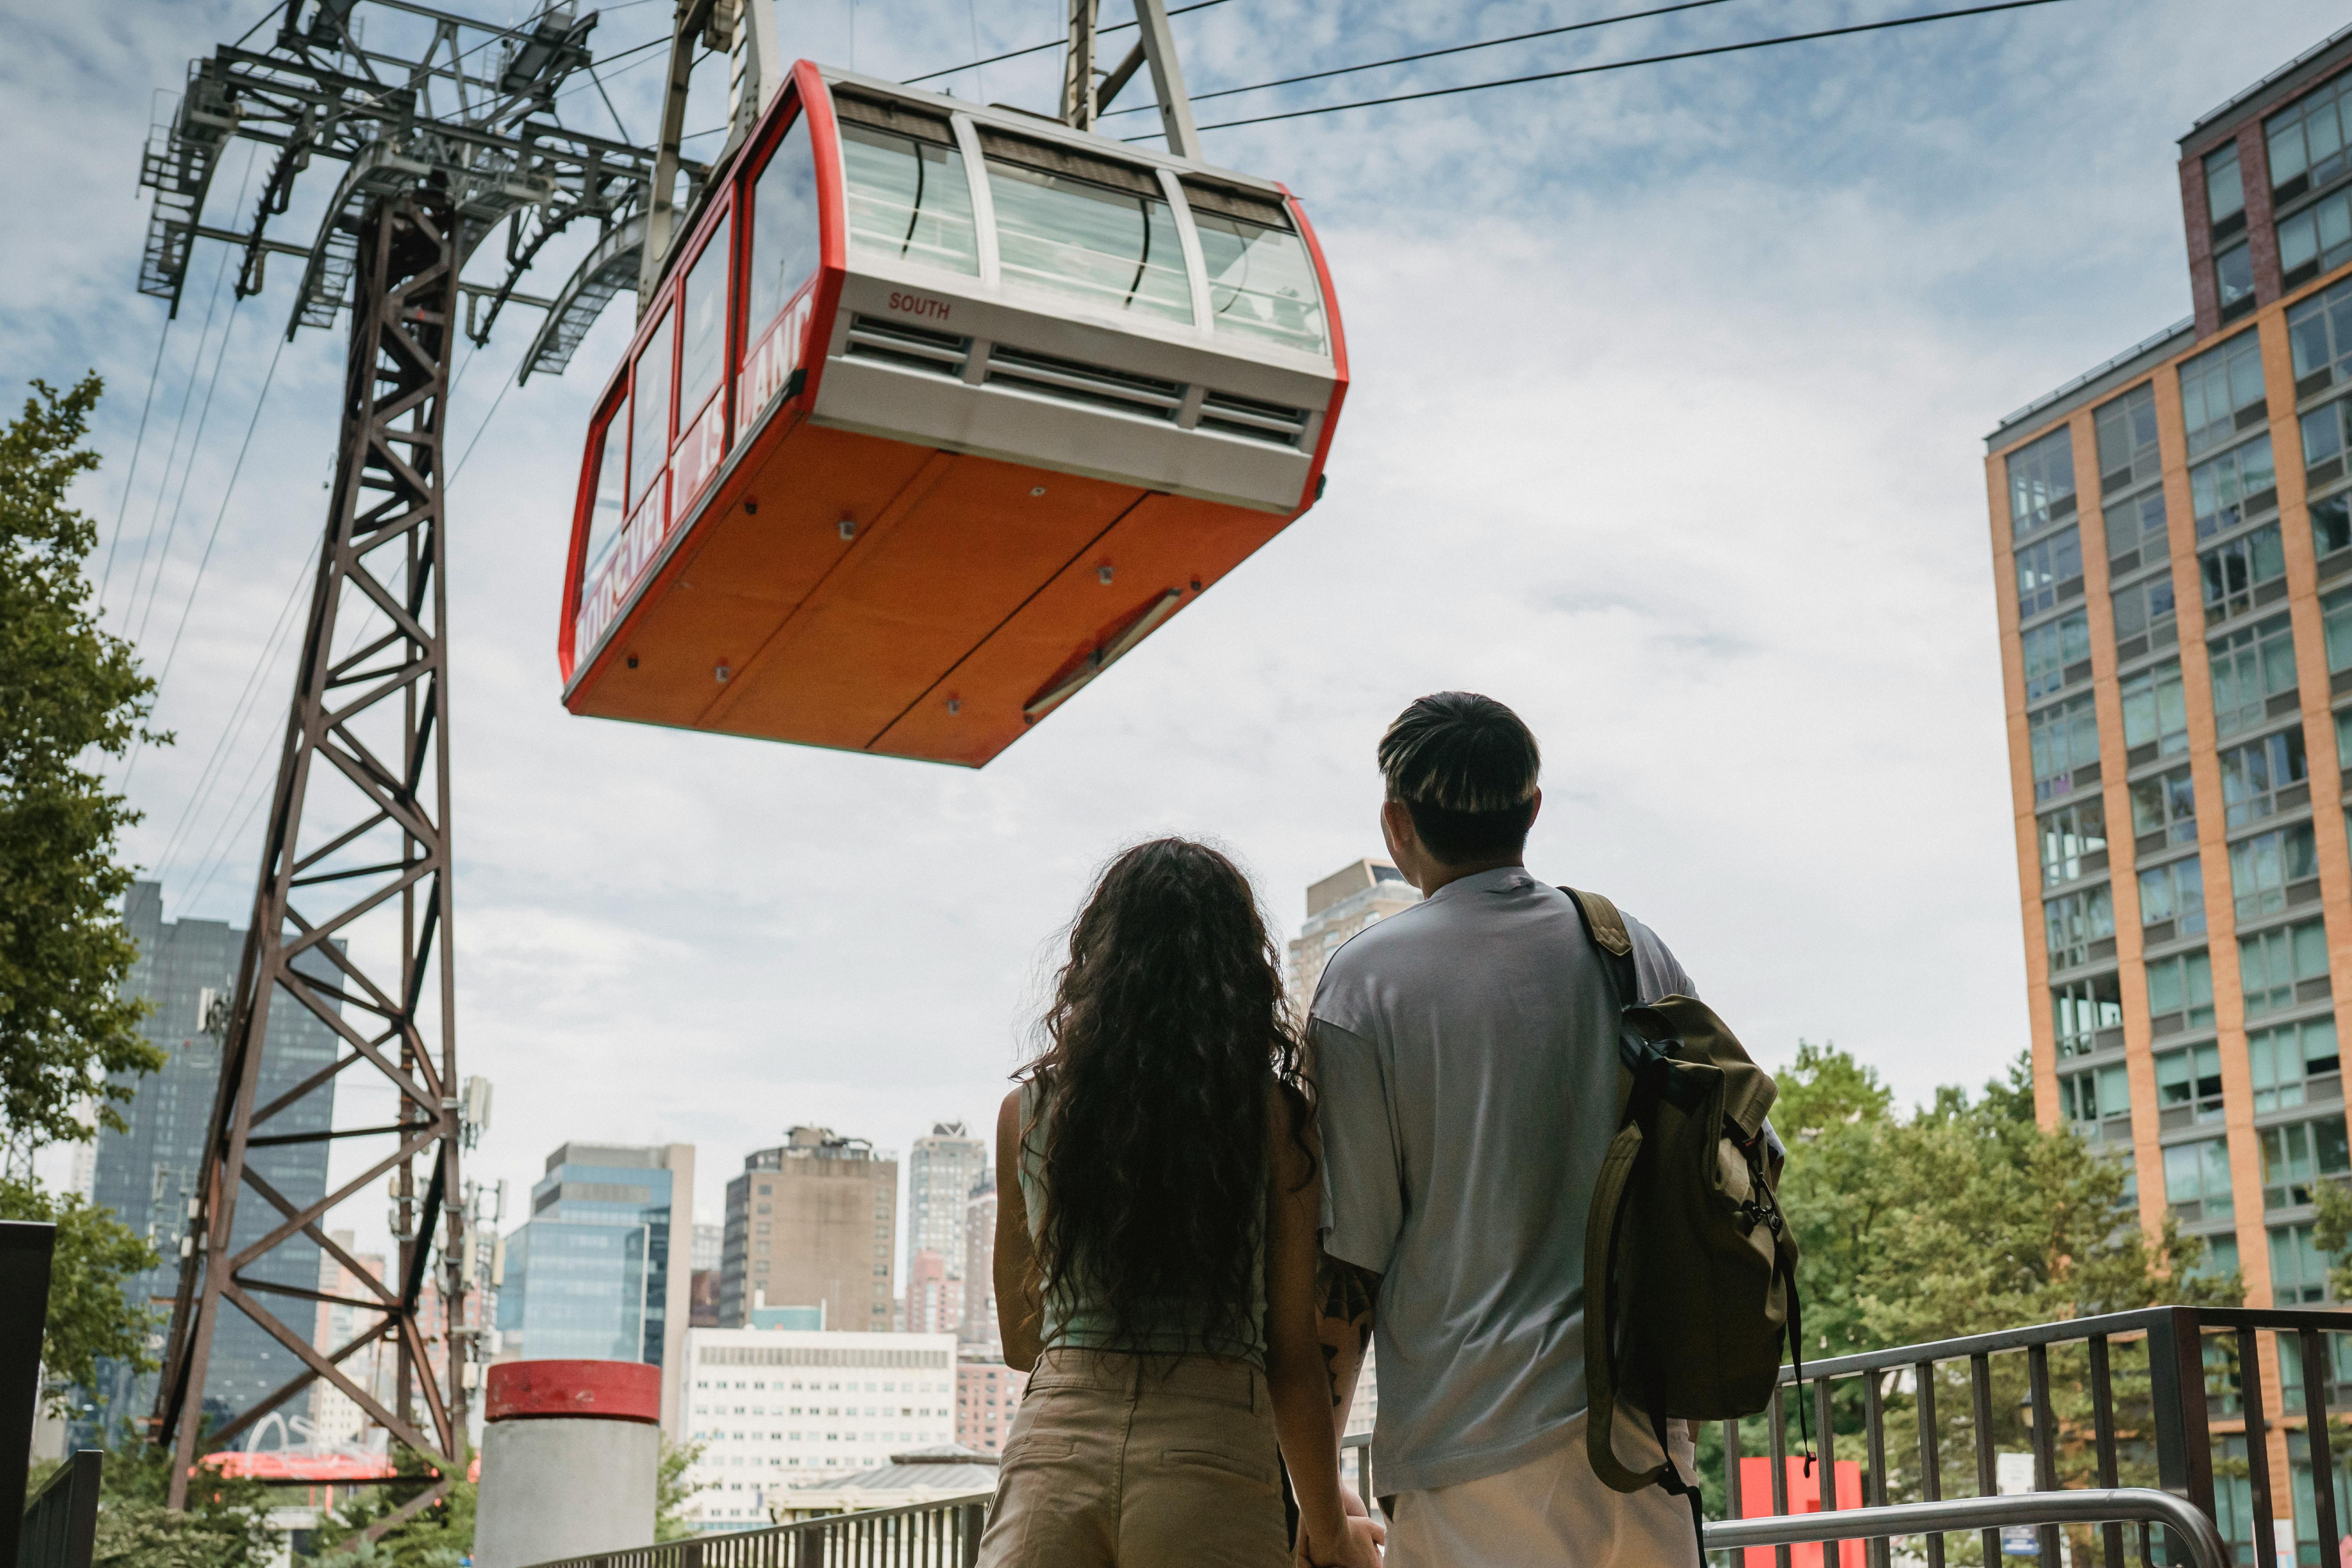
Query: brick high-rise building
point(2172, 541)
point(934, 1303)
point(813, 1223)
point(1337, 907)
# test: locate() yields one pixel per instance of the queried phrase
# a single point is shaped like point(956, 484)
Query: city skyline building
point(337, 1421)
point(988, 1395)
point(2171, 536)
point(1337, 907)
point(813, 1223)
point(942, 1170)
point(146, 1172)
point(774, 1407)
point(934, 1298)
point(980, 1325)
point(588, 1276)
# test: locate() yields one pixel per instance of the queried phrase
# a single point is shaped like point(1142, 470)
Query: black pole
point(24, 1250)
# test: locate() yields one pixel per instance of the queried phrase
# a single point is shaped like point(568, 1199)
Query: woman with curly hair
point(1156, 1248)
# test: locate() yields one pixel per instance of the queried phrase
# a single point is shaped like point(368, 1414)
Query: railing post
point(1877, 1552)
point(2045, 1443)
point(975, 1520)
point(1931, 1451)
point(2176, 1379)
point(2317, 1362)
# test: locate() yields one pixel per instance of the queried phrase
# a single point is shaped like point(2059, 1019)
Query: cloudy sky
point(1666, 429)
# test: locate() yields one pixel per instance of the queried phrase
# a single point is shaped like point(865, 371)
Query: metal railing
point(60, 1529)
point(2177, 1396)
point(942, 1534)
point(2141, 1504)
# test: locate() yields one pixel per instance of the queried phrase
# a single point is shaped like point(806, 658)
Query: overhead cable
point(131, 475)
point(239, 714)
point(188, 607)
point(1056, 43)
point(1623, 65)
point(1433, 54)
point(179, 502)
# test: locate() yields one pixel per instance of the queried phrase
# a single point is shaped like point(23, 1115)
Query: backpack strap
point(1606, 929)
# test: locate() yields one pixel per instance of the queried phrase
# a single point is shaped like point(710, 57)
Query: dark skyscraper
point(147, 1174)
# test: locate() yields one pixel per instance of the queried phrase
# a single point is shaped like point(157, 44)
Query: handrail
point(2099, 1506)
point(931, 1531)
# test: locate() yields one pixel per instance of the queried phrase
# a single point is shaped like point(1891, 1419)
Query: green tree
point(1961, 1217)
point(673, 1490)
point(222, 1527)
point(69, 693)
point(437, 1536)
point(89, 1316)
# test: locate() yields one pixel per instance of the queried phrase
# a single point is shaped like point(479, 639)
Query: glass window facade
point(2335, 627)
point(2135, 535)
point(2096, 1095)
point(2064, 742)
point(2073, 840)
point(2128, 450)
point(2234, 487)
point(2324, 429)
point(2197, 1177)
point(2319, 336)
point(2165, 804)
point(587, 1276)
point(2299, 1269)
point(2299, 1154)
point(2305, 140)
point(2174, 892)
point(2048, 571)
point(2280, 966)
point(2254, 775)
point(2294, 1064)
point(2236, 572)
point(2189, 1085)
point(2268, 870)
point(2145, 608)
point(2088, 1014)
point(2221, 393)
point(2317, 239)
point(2057, 655)
point(2180, 992)
point(2251, 667)
point(2079, 926)
point(2155, 713)
point(2041, 483)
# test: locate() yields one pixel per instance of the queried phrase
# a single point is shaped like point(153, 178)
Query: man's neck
point(1440, 873)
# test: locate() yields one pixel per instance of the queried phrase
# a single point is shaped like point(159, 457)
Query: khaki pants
point(1551, 1513)
point(1149, 1466)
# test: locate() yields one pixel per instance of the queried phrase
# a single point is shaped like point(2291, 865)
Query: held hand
point(1357, 1544)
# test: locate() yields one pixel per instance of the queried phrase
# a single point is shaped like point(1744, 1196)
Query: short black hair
point(1465, 768)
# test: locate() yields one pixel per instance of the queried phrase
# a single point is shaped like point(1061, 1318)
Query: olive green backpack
point(1689, 1269)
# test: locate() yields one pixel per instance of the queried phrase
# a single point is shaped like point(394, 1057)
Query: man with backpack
point(1466, 1053)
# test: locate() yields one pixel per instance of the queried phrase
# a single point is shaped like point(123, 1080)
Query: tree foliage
point(1962, 1216)
point(69, 690)
point(673, 1490)
point(440, 1535)
point(223, 1526)
point(90, 1317)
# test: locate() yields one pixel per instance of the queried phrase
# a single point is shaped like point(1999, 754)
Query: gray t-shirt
point(1465, 1059)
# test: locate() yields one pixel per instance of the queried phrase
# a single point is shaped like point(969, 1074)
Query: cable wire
point(204, 415)
point(1624, 65)
point(241, 714)
point(188, 607)
point(1433, 53)
point(131, 475)
point(1056, 43)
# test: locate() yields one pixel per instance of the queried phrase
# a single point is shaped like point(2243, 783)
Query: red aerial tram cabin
point(937, 411)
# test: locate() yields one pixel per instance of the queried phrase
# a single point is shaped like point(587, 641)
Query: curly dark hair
point(1167, 1028)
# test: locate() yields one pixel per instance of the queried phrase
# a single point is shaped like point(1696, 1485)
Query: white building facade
point(778, 1407)
point(1337, 907)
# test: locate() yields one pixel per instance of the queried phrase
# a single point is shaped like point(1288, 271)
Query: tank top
point(1073, 1317)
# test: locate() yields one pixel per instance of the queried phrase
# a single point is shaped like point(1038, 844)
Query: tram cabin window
point(606, 510)
point(1260, 280)
point(1089, 229)
point(703, 347)
point(783, 233)
point(909, 200)
point(649, 415)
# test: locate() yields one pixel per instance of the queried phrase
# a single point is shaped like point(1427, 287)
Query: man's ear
point(1396, 819)
point(1535, 809)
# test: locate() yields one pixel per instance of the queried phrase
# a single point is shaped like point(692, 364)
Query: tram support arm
point(1168, 80)
point(1079, 102)
point(661, 204)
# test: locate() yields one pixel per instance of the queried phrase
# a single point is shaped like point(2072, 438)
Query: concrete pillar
point(571, 1451)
